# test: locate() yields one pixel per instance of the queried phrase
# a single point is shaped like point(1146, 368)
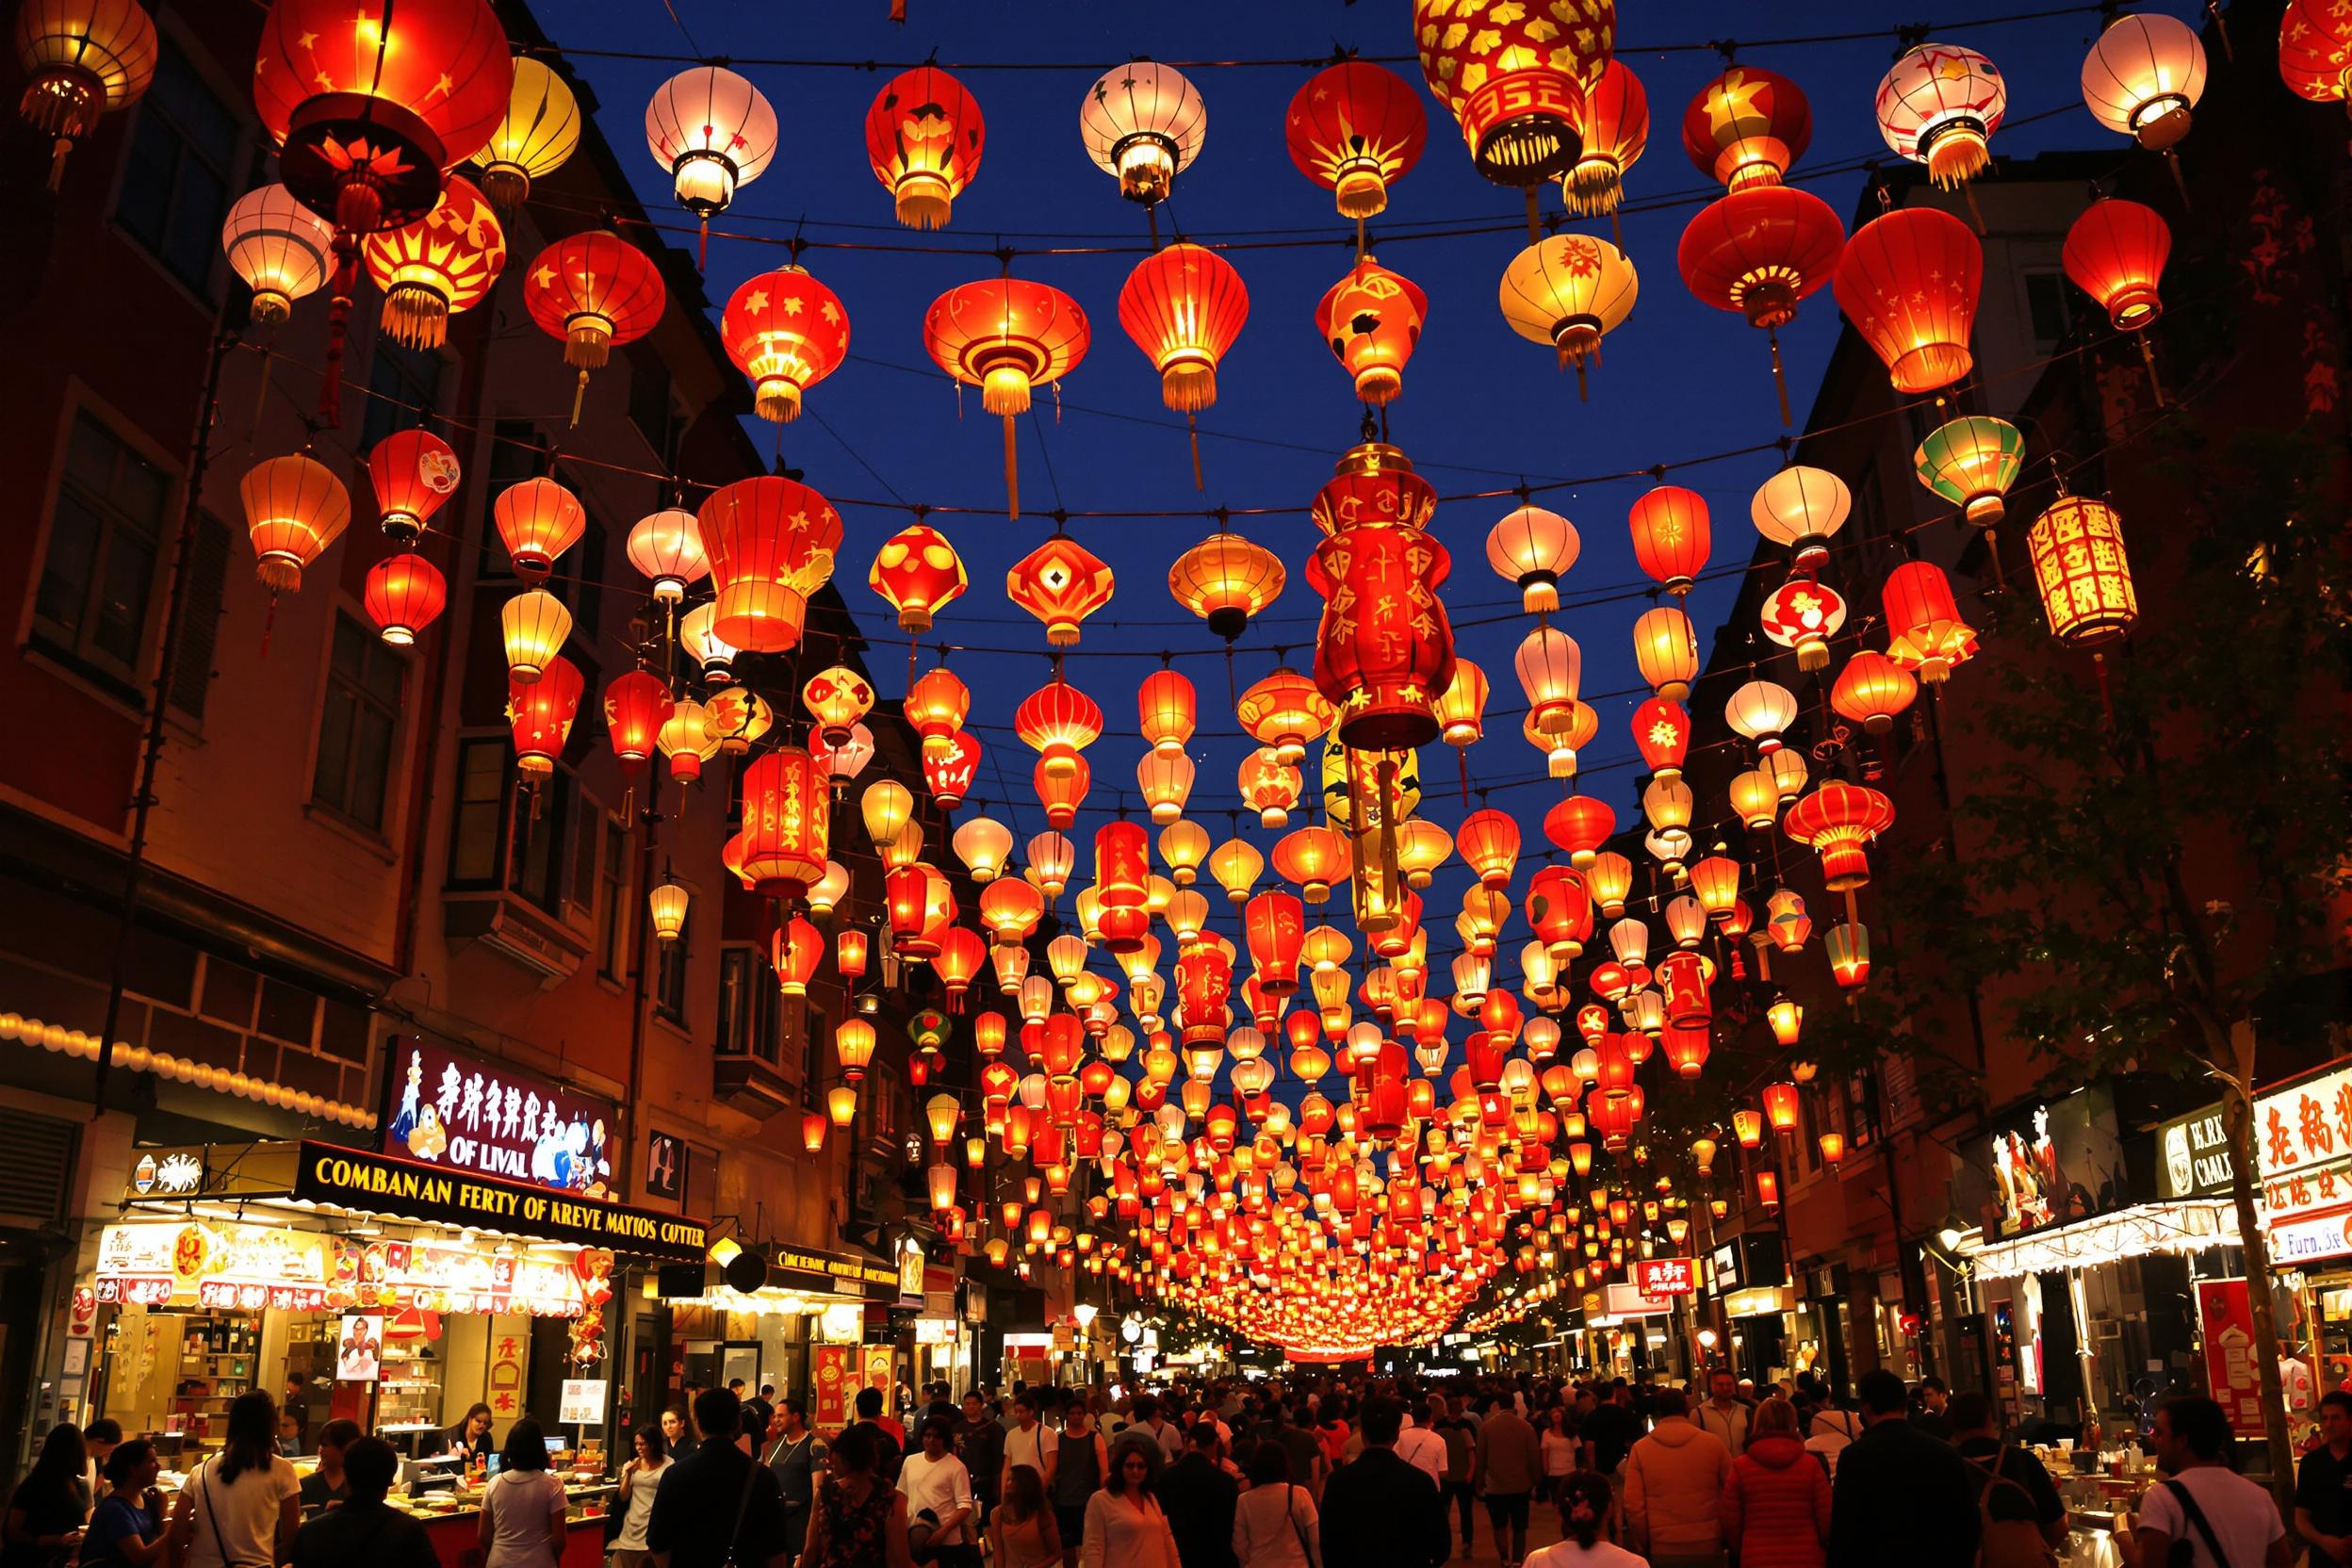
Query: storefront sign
point(910, 1273)
point(2231, 1368)
point(2049, 1164)
point(2193, 1156)
point(802, 1269)
point(583, 1402)
point(2303, 1241)
point(665, 1167)
point(832, 1379)
point(247, 1268)
point(1623, 1300)
point(881, 1371)
point(492, 1119)
point(326, 1173)
point(2303, 1152)
point(1662, 1277)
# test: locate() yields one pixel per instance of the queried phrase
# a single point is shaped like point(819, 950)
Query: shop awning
point(2188, 1225)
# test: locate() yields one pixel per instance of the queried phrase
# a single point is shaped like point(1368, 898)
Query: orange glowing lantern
point(917, 573)
point(294, 509)
point(936, 703)
point(1848, 949)
point(1007, 336)
point(2116, 252)
point(1061, 791)
point(1225, 580)
point(1353, 128)
point(1580, 824)
point(1372, 321)
point(787, 823)
point(1924, 632)
point(443, 263)
point(1837, 820)
point(1284, 711)
point(83, 59)
point(1061, 582)
point(1183, 305)
point(1615, 130)
point(1661, 732)
point(794, 950)
point(1761, 251)
point(1746, 127)
point(786, 331)
point(538, 520)
point(1166, 710)
point(1058, 721)
point(539, 715)
point(404, 595)
point(1313, 857)
point(2315, 51)
point(2082, 571)
point(595, 291)
point(925, 135)
point(636, 706)
point(770, 541)
point(1908, 282)
point(1269, 787)
point(1671, 536)
point(1871, 689)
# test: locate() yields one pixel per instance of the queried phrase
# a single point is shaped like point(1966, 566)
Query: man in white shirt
point(1421, 1447)
point(2221, 1509)
point(936, 1481)
point(1030, 1441)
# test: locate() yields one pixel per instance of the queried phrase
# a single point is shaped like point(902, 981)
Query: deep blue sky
point(1481, 409)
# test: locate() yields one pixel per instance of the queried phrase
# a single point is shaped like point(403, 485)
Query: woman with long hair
point(1024, 1532)
point(1125, 1526)
point(1275, 1525)
point(240, 1507)
point(128, 1529)
point(860, 1519)
point(470, 1436)
point(1585, 1521)
point(641, 1477)
point(522, 1509)
point(49, 1507)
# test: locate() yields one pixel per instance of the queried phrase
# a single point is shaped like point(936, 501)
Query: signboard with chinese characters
point(582, 1402)
point(492, 1119)
point(247, 1268)
point(2232, 1368)
point(1623, 1300)
point(832, 1376)
point(2303, 1153)
point(2193, 1156)
point(1663, 1276)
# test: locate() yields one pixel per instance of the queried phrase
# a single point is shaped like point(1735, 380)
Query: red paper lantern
point(1615, 129)
point(594, 290)
point(1274, 924)
point(1804, 614)
point(1671, 536)
point(404, 593)
point(1314, 858)
point(1061, 582)
point(1488, 841)
point(957, 963)
point(925, 135)
point(1007, 336)
point(1661, 732)
point(1685, 1049)
point(918, 573)
point(1061, 792)
point(1058, 721)
point(2116, 252)
point(412, 472)
point(1871, 689)
point(1514, 77)
point(786, 331)
point(538, 520)
point(636, 706)
point(1580, 824)
point(793, 950)
point(1837, 820)
point(1908, 282)
point(1384, 672)
point(770, 542)
point(1681, 977)
point(2315, 51)
point(949, 767)
point(937, 704)
point(1372, 321)
point(1924, 632)
point(1283, 710)
point(1746, 127)
point(1166, 710)
point(1123, 878)
point(787, 823)
point(443, 263)
point(1183, 307)
point(1560, 910)
point(1760, 251)
point(1353, 128)
point(1203, 982)
point(540, 713)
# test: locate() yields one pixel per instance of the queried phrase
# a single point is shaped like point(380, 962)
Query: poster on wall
point(2045, 1164)
point(492, 1119)
point(359, 1348)
point(881, 1369)
point(2231, 1369)
point(831, 1374)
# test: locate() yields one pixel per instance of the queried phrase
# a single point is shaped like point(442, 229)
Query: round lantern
point(712, 654)
point(1007, 336)
point(1579, 824)
point(736, 718)
point(983, 844)
point(1285, 712)
point(1165, 711)
point(1225, 580)
point(666, 547)
point(538, 520)
point(81, 59)
point(936, 703)
point(2082, 572)
point(1871, 689)
point(594, 290)
point(1268, 786)
point(1165, 778)
point(949, 767)
point(770, 541)
point(786, 331)
point(1908, 282)
point(1666, 652)
point(1746, 127)
point(1551, 669)
point(2116, 252)
point(443, 263)
point(713, 131)
point(1569, 290)
point(2143, 76)
point(1314, 858)
point(686, 740)
point(540, 131)
point(2315, 51)
point(1061, 582)
point(1560, 911)
point(1615, 129)
point(1671, 536)
point(1354, 128)
point(1058, 721)
point(1939, 105)
point(924, 134)
point(787, 823)
point(412, 472)
point(1924, 632)
point(837, 698)
point(1804, 614)
point(916, 572)
point(277, 245)
point(294, 508)
point(1183, 305)
point(1971, 462)
point(534, 625)
point(1514, 76)
point(1372, 321)
point(539, 715)
point(1761, 711)
point(1144, 122)
point(1533, 548)
point(1761, 251)
point(1838, 822)
point(1803, 508)
point(404, 595)
point(636, 706)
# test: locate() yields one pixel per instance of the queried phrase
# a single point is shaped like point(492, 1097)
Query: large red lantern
point(1580, 824)
point(1560, 910)
point(2315, 51)
point(1274, 924)
point(770, 541)
point(1746, 127)
point(1384, 650)
point(1760, 251)
point(412, 472)
point(1353, 128)
point(404, 595)
point(1488, 841)
point(1615, 129)
point(1671, 536)
point(636, 706)
point(924, 134)
point(1924, 632)
point(443, 263)
point(786, 331)
point(1123, 878)
point(1007, 336)
point(1372, 321)
point(594, 290)
point(1871, 689)
point(540, 713)
point(917, 573)
point(787, 822)
point(1183, 307)
point(1514, 77)
point(1908, 282)
point(1837, 820)
point(1204, 979)
point(1058, 721)
point(1061, 582)
point(2116, 252)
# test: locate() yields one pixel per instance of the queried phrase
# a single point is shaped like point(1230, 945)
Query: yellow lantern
point(535, 624)
point(2082, 572)
point(885, 805)
point(1569, 290)
point(1182, 846)
point(1666, 652)
point(1610, 880)
point(294, 509)
point(1165, 778)
point(853, 1042)
point(842, 1105)
point(1236, 866)
point(667, 904)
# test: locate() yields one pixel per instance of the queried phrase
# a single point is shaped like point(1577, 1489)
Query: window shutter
point(41, 1159)
point(200, 616)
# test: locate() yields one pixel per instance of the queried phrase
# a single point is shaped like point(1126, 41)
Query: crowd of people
point(1299, 1472)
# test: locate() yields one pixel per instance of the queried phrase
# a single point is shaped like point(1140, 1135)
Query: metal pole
point(158, 698)
point(648, 827)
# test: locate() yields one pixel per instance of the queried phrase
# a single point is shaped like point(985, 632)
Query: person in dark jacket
point(1380, 1511)
point(1199, 1497)
point(980, 1442)
point(1901, 1496)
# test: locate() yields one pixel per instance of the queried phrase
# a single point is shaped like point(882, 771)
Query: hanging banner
point(492, 1119)
point(2303, 1153)
point(881, 1371)
point(832, 1379)
point(2232, 1370)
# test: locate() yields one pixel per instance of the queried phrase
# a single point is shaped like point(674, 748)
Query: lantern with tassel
point(1007, 336)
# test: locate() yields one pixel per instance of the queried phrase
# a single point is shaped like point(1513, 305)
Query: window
point(105, 538)
point(520, 843)
point(200, 618)
point(579, 904)
point(357, 730)
point(480, 830)
point(535, 860)
point(669, 975)
point(619, 914)
point(176, 179)
point(650, 405)
point(748, 1005)
point(2046, 305)
point(405, 387)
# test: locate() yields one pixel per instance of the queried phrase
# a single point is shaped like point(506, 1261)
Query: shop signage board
point(215, 1264)
point(1664, 1277)
point(2193, 1156)
point(583, 1402)
point(849, 1273)
point(2303, 1153)
point(488, 1119)
point(1623, 1300)
point(411, 1189)
point(2232, 1368)
point(2048, 1163)
point(833, 1377)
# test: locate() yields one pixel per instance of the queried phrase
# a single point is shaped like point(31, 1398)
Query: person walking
point(981, 1441)
point(1075, 1465)
point(1022, 1532)
point(1674, 1488)
point(937, 1489)
point(1900, 1495)
point(363, 1530)
point(1506, 1466)
point(1722, 1414)
point(1775, 1501)
point(1561, 1447)
point(522, 1509)
point(241, 1506)
point(1125, 1526)
point(1200, 1498)
point(1420, 1446)
point(2024, 1519)
point(2224, 1520)
point(718, 1505)
point(641, 1477)
point(1455, 1490)
point(792, 1456)
point(1380, 1511)
point(2322, 1484)
point(1585, 1502)
point(1030, 1442)
point(1275, 1523)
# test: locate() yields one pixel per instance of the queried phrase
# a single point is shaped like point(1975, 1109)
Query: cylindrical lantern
point(770, 541)
point(787, 823)
point(2082, 571)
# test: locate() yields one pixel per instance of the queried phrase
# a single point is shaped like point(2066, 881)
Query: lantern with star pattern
point(787, 332)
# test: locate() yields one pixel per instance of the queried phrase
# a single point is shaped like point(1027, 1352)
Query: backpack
point(2008, 1542)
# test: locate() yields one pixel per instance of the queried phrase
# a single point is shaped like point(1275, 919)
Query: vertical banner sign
point(509, 1360)
point(2232, 1370)
point(882, 1370)
point(832, 1380)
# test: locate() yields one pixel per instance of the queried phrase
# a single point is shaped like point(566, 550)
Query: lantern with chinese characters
point(1268, 786)
point(2143, 76)
point(636, 706)
point(404, 595)
point(1203, 980)
point(1971, 462)
point(2315, 51)
point(786, 331)
point(294, 509)
point(280, 248)
point(1939, 105)
point(1761, 251)
point(917, 573)
point(713, 131)
point(83, 59)
point(1384, 650)
point(1372, 321)
point(443, 263)
point(1061, 582)
point(2082, 572)
point(539, 715)
point(1183, 305)
point(1908, 282)
point(1058, 721)
point(949, 767)
point(412, 472)
point(1166, 710)
point(1354, 128)
point(1533, 548)
point(1569, 290)
point(787, 823)
point(1924, 632)
point(1802, 508)
point(1837, 820)
point(1871, 689)
point(924, 134)
point(1614, 127)
point(540, 130)
point(666, 548)
point(2116, 252)
point(1284, 711)
point(1007, 336)
point(594, 290)
point(1514, 76)
point(1274, 925)
point(1122, 874)
point(1746, 127)
point(1143, 122)
point(770, 542)
point(1804, 614)
point(1225, 580)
